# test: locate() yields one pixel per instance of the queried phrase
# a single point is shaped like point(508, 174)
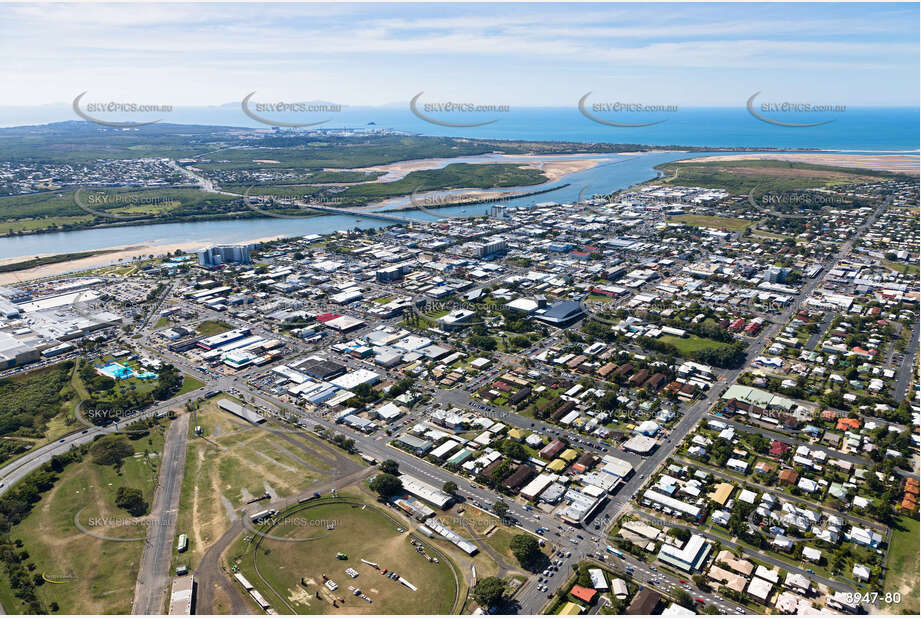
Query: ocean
point(861, 128)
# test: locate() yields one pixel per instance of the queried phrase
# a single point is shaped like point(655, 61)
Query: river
point(614, 173)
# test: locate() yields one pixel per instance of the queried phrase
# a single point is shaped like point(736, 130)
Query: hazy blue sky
point(536, 54)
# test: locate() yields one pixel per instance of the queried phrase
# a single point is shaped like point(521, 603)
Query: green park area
point(902, 567)
point(60, 211)
point(719, 223)
point(690, 344)
point(107, 487)
point(317, 542)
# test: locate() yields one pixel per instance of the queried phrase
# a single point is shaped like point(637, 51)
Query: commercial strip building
point(689, 558)
point(426, 492)
point(653, 497)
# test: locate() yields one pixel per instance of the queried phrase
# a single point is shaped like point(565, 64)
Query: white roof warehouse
point(425, 491)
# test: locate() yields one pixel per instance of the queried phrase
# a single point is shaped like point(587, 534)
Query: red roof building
point(848, 424)
point(583, 594)
point(778, 449)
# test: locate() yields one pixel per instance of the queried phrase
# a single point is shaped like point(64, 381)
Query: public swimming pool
point(117, 371)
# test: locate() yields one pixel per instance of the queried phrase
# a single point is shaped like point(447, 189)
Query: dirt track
point(214, 581)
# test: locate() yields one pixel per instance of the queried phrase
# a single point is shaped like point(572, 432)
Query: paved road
point(153, 580)
point(903, 375)
point(15, 471)
point(823, 326)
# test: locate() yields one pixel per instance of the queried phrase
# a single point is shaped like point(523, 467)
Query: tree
point(527, 550)
point(389, 466)
point(711, 610)
point(484, 342)
point(449, 487)
point(111, 450)
point(132, 500)
point(489, 591)
point(514, 450)
point(500, 508)
point(684, 599)
point(386, 485)
point(608, 401)
point(583, 578)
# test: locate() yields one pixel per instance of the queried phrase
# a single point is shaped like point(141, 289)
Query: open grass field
point(189, 384)
point(691, 343)
point(902, 568)
point(719, 223)
point(94, 576)
point(600, 298)
point(739, 177)
point(230, 464)
point(901, 267)
point(209, 328)
point(359, 530)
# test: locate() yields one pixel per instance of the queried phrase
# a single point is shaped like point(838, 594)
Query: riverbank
point(109, 257)
point(554, 167)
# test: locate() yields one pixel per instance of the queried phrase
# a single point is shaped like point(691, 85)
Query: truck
point(257, 517)
point(183, 543)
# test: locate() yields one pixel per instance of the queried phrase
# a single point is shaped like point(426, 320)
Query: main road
point(15, 471)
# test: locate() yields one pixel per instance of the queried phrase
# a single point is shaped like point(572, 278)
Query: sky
point(515, 54)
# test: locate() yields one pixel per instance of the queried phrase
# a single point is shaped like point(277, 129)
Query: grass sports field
point(84, 574)
point(293, 570)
